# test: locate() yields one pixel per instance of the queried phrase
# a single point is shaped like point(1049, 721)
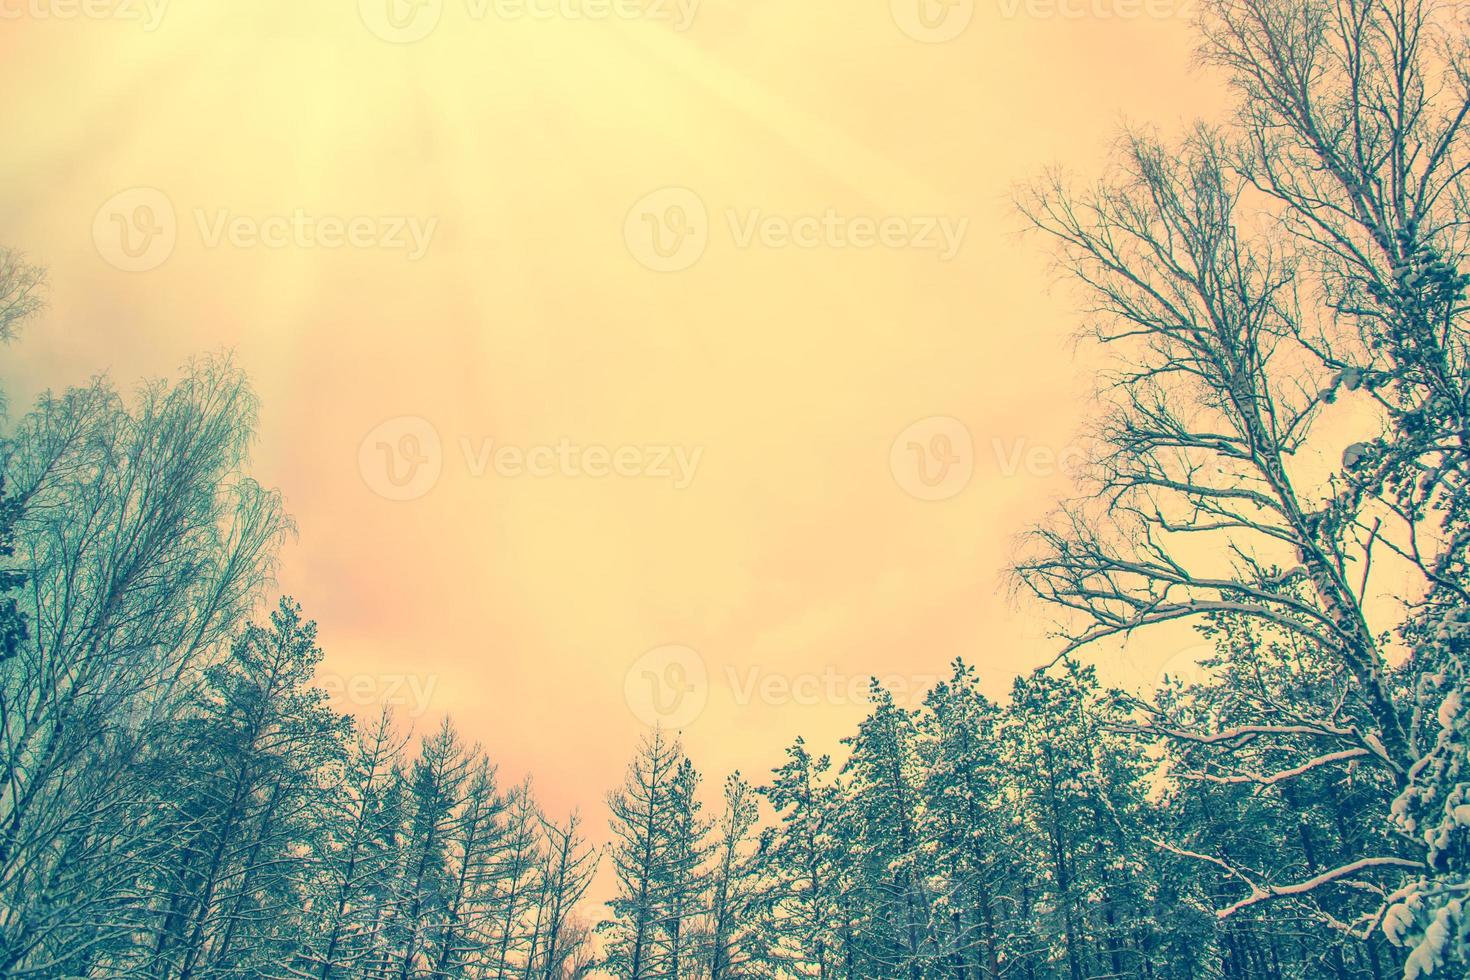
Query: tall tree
point(803, 857)
point(422, 905)
point(570, 865)
point(22, 292)
point(1271, 289)
point(517, 870)
point(246, 781)
point(886, 843)
point(967, 817)
point(738, 890)
point(351, 889)
point(644, 852)
point(142, 546)
point(684, 876)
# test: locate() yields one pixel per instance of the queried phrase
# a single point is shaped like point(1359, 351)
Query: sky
point(621, 361)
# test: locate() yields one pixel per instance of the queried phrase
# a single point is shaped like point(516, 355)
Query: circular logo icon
point(401, 21)
point(136, 229)
point(402, 458)
point(667, 231)
point(933, 21)
point(934, 458)
point(668, 686)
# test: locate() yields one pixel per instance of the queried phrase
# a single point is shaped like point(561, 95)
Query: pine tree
point(803, 858)
point(421, 903)
point(643, 852)
point(738, 890)
point(1045, 733)
point(883, 769)
point(518, 886)
point(964, 786)
point(567, 873)
point(351, 886)
point(1427, 915)
point(252, 769)
point(683, 877)
point(477, 839)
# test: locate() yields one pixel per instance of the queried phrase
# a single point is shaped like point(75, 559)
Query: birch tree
point(22, 292)
point(141, 545)
point(1271, 289)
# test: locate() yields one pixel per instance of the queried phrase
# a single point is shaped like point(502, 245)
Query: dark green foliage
point(178, 801)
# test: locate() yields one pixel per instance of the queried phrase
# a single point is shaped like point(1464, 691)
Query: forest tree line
point(1278, 461)
point(179, 799)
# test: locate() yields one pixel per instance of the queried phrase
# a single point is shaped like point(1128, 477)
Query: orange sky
point(723, 245)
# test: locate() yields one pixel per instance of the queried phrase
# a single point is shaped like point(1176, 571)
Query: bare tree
point(21, 289)
point(737, 895)
point(570, 865)
point(20, 298)
point(1269, 290)
point(356, 853)
point(645, 858)
point(437, 787)
point(142, 547)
